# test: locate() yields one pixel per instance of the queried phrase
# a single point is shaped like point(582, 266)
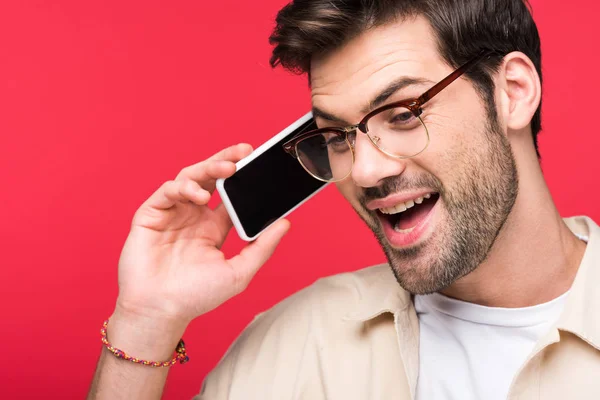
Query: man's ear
point(521, 90)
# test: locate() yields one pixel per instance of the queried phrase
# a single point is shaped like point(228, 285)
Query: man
point(488, 294)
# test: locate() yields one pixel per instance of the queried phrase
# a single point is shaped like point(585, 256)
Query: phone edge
point(243, 162)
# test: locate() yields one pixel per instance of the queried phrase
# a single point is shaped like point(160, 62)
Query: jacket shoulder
point(281, 338)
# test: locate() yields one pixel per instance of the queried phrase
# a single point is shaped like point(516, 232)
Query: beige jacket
point(356, 336)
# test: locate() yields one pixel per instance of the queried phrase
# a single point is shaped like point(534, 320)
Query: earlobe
point(522, 90)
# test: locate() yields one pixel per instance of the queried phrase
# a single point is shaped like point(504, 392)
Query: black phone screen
point(270, 185)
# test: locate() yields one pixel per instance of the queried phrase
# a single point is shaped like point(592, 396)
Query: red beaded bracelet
point(180, 350)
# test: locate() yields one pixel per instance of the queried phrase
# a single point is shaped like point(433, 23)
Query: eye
point(402, 116)
point(335, 140)
point(398, 119)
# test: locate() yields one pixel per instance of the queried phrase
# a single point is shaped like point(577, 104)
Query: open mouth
point(404, 217)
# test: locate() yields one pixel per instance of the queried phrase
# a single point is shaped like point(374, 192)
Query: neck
point(535, 257)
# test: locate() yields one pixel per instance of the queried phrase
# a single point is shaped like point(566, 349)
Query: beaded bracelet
point(180, 350)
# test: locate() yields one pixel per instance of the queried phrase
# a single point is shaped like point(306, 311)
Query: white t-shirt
point(472, 352)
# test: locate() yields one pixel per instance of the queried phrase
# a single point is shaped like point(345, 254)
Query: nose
point(371, 165)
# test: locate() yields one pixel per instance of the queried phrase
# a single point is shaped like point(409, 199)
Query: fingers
point(182, 191)
point(253, 256)
point(197, 182)
point(207, 173)
point(223, 221)
point(219, 166)
point(234, 153)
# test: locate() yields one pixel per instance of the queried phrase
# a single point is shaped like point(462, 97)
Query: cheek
point(351, 192)
point(457, 146)
point(456, 121)
point(348, 190)
point(454, 140)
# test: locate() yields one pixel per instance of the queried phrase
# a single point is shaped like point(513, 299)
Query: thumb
point(253, 256)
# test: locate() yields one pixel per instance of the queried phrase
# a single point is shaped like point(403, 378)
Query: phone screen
point(270, 185)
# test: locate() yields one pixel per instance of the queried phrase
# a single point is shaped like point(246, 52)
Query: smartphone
point(268, 184)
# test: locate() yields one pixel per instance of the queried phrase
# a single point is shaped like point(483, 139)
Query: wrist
point(144, 336)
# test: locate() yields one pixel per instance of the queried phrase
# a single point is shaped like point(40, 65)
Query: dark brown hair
point(463, 29)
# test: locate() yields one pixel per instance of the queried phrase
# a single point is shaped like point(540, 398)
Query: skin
point(171, 268)
point(493, 194)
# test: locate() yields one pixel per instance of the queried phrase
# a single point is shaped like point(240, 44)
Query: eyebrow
point(379, 99)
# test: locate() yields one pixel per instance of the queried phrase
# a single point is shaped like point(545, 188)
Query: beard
point(477, 207)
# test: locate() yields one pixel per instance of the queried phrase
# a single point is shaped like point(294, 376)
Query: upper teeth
point(400, 207)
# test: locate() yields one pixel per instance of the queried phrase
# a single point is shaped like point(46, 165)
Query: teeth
point(401, 207)
point(405, 231)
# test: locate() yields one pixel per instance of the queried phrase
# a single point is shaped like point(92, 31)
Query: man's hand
point(171, 271)
point(171, 265)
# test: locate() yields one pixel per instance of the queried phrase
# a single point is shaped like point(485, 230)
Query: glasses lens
point(398, 132)
point(327, 156)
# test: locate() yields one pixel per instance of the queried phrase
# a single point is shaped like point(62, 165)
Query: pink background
point(100, 102)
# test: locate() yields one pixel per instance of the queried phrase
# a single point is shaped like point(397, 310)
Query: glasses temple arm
point(438, 87)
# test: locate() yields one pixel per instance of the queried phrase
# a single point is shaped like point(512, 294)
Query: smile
point(407, 222)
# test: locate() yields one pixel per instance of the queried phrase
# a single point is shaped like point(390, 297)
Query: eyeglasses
point(396, 129)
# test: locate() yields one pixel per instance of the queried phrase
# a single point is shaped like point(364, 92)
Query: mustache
point(395, 184)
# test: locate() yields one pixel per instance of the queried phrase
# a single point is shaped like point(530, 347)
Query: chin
point(416, 271)
point(432, 265)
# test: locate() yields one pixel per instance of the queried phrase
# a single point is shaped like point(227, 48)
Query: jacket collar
point(379, 293)
point(580, 315)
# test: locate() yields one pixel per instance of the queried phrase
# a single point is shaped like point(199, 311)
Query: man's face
point(465, 181)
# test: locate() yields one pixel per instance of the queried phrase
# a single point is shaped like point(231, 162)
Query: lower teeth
point(403, 230)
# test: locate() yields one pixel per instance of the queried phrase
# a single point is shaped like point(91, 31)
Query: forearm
point(142, 338)
point(119, 379)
